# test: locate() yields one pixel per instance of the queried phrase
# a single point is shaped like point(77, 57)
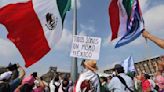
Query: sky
point(93, 20)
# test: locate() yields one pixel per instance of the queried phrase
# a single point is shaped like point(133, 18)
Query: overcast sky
point(93, 20)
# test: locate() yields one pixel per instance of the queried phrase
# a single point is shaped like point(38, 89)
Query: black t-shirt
point(4, 87)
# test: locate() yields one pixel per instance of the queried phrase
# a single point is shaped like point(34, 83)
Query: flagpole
point(74, 69)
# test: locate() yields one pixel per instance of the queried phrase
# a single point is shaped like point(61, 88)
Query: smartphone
point(34, 74)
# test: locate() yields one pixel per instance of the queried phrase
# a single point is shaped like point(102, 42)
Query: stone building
point(52, 72)
point(144, 66)
point(148, 66)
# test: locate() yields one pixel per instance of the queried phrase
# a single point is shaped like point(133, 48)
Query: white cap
point(5, 75)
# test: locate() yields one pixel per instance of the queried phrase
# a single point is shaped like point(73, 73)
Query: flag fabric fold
point(86, 80)
point(34, 26)
point(126, 20)
point(128, 65)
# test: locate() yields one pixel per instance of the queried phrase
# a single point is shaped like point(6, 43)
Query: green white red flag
point(34, 26)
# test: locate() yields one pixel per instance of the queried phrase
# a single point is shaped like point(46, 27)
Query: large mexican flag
point(34, 26)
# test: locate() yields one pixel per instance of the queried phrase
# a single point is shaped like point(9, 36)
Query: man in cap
point(10, 86)
point(5, 75)
point(122, 82)
point(88, 80)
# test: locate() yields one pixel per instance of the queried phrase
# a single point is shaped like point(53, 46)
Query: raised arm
point(156, 40)
point(21, 72)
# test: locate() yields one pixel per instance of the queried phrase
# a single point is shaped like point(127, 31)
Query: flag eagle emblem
point(51, 21)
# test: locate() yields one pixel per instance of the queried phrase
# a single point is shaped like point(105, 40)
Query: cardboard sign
point(86, 47)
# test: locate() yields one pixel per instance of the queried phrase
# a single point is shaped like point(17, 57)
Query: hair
point(12, 67)
point(120, 70)
point(104, 79)
point(34, 74)
point(110, 77)
point(56, 78)
point(82, 62)
point(65, 83)
point(41, 78)
point(147, 76)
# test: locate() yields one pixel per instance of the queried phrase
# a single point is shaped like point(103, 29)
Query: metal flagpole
point(74, 69)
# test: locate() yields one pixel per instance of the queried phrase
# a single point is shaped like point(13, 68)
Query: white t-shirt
point(116, 85)
point(52, 86)
point(152, 84)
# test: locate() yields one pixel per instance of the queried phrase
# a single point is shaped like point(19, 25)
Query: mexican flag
point(34, 26)
point(125, 20)
point(88, 81)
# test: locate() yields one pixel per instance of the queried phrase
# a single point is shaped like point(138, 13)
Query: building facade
point(145, 66)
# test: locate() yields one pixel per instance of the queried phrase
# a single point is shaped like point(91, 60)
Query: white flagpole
point(74, 68)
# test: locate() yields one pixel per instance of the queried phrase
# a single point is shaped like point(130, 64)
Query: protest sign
point(85, 47)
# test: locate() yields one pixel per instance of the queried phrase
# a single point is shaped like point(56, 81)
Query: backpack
point(156, 88)
point(56, 87)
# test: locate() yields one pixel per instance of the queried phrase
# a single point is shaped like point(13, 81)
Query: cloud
point(154, 19)
point(7, 49)
point(5, 2)
point(108, 66)
point(89, 27)
point(143, 5)
point(106, 41)
point(140, 40)
point(65, 42)
point(82, 33)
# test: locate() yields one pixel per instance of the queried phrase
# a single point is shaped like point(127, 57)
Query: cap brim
point(91, 68)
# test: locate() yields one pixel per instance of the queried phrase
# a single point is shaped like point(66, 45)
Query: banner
point(86, 47)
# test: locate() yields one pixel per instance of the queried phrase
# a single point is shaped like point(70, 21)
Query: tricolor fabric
point(89, 77)
point(34, 26)
point(126, 20)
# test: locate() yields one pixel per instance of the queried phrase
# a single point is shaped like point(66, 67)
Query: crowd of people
point(119, 81)
point(13, 79)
